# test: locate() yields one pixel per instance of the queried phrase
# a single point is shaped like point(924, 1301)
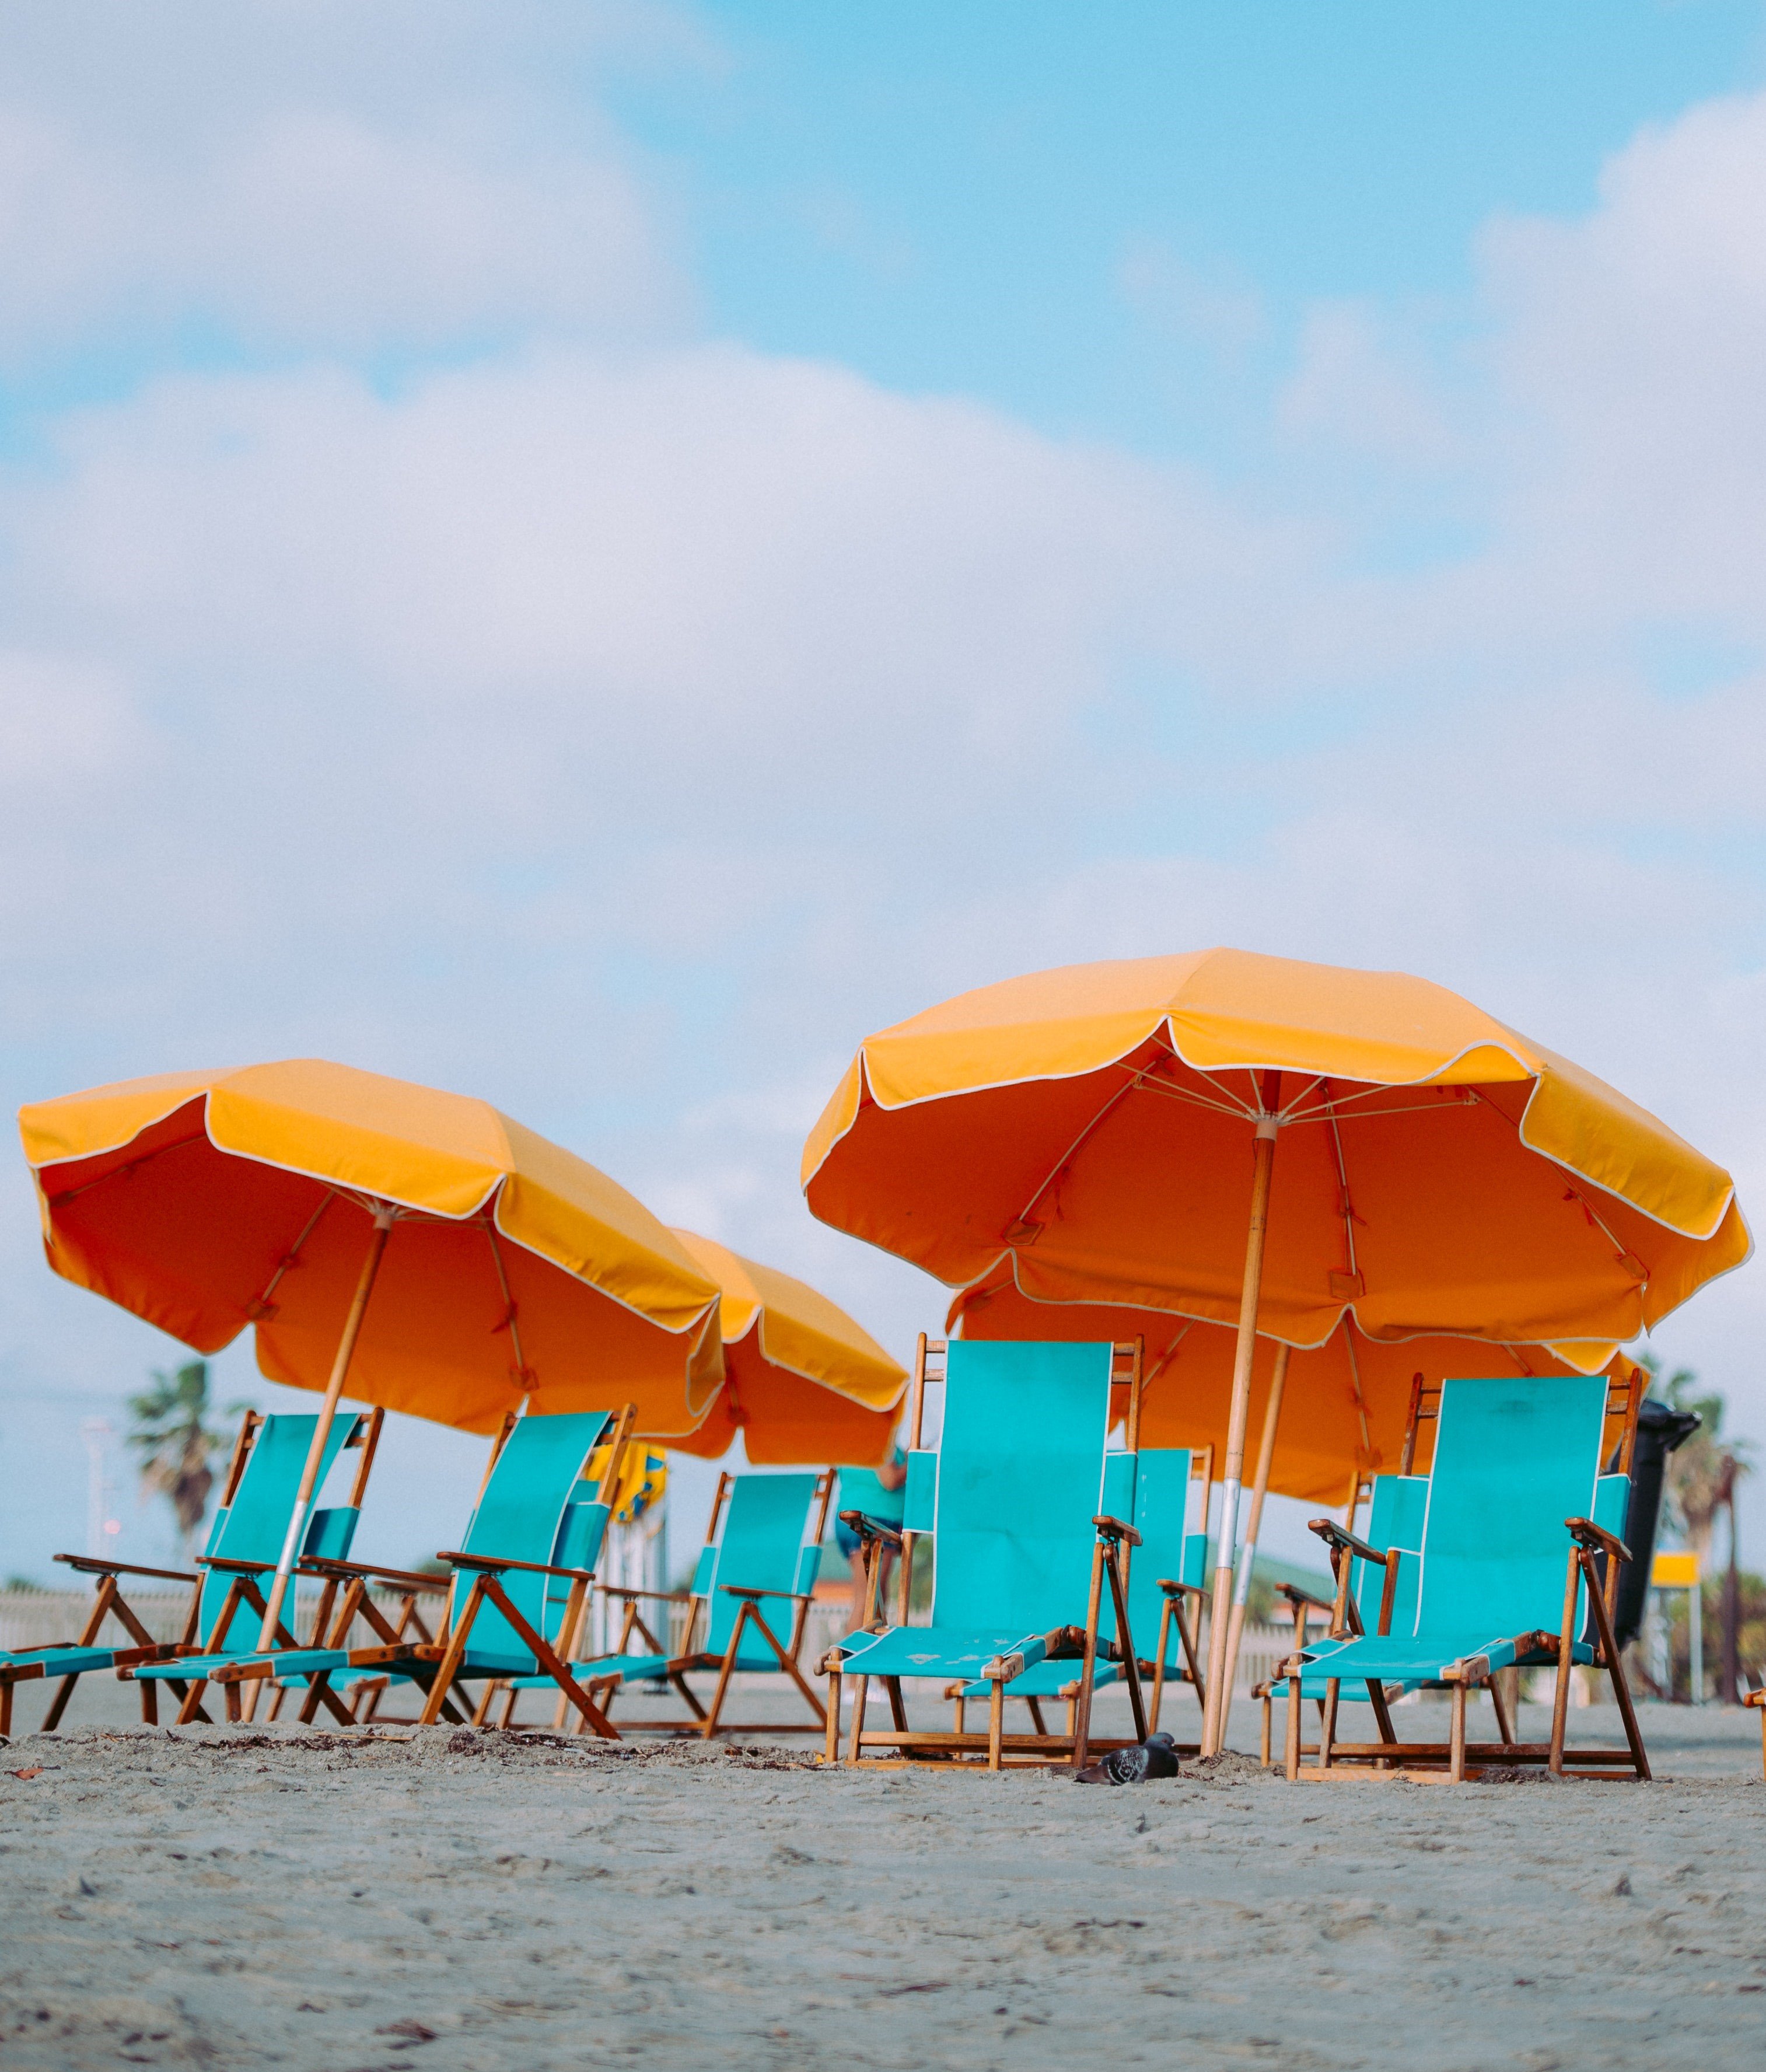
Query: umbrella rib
point(509, 1303)
point(291, 1257)
point(1055, 1170)
point(1349, 1219)
point(1355, 1381)
point(1140, 1077)
point(1324, 1112)
point(121, 1172)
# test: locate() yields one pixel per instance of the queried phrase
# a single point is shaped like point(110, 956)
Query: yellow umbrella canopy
point(1437, 1172)
point(803, 1382)
point(208, 1202)
point(1345, 1404)
point(1112, 1130)
point(411, 1249)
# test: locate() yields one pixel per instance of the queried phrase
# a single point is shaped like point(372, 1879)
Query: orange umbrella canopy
point(1345, 1408)
point(208, 1202)
point(1433, 1170)
point(803, 1382)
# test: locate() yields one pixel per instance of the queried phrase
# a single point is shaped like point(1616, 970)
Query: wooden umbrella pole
point(315, 1453)
point(1219, 1700)
point(1266, 1453)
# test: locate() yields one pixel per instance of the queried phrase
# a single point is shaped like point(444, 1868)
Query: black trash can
point(1660, 1430)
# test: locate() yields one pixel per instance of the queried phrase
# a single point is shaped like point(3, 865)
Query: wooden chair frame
point(1111, 1553)
point(436, 1664)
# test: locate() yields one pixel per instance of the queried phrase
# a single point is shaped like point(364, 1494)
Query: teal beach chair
point(1164, 1491)
point(245, 1543)
point(1012, 1499)
point(1509, 1575)
point(762, 1549)
point(70, 1660)
point(519, 1589)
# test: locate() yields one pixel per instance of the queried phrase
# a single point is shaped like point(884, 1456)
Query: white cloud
point(316, 173)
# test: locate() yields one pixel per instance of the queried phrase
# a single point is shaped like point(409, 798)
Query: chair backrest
point(1019, 1479)
point(1395, 1517)
point(1154, 1491)
point(762, 1544)
point(1512, 1460)
point(535, 1506)
point(254, 1525)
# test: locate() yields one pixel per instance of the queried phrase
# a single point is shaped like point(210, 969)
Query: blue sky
point(955, 199)
point(594, 554)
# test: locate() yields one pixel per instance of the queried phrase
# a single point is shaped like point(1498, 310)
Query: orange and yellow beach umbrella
point(802, 1382)
point(406, 1247)
point(1273, 1146)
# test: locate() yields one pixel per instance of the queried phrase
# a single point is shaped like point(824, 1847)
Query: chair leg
point(831, 1751)
point(1269, 1713)
point(1560, 1708)
point(726, 1672)
point(59, 1705)
point(1506, 1733)
point(231, 1694)
point(996, 1705)
point(1327, 1724)
point(1456, 1737)
point(860, 1696)
point(898, 1711)
point(6, 1712)
point(1036, 1715)
point(1292, 1765)
point(150, 1702)
point(1615, 1671)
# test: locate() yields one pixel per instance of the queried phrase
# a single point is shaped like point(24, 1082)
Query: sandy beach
point(459, 1901)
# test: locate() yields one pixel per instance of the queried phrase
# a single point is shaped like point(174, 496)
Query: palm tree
point(176, 1443)
point(1703, 1469)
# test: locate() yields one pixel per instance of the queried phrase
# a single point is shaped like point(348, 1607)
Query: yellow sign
point(1674, 1572)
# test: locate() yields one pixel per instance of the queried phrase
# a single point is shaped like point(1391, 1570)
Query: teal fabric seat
point(1008, 1498)
point(1515, 1460)
point(766, 1537)
point(535, 1506)
point(1151, 1491)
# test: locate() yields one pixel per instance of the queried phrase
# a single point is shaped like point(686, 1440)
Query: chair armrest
point(1173, 1588)
point(1596, 1539)
point(404, 1579)
point(870, 1528)
point(661, 1596)
point(741, 1590)
point(89, 1564)
point(236, 1567)
point(1333, 1535)
point(494, 1564)
point(1297, 1595)
point(1113, 1528)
